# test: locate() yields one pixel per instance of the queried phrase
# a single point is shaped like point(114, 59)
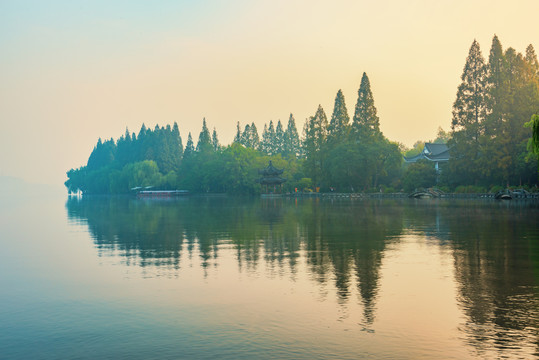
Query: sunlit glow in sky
point(74, 71)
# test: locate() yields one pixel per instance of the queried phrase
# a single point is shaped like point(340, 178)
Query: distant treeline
point(491, 144)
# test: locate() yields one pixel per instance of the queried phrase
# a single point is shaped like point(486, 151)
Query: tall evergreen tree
point(522, 101)
point(531, 59)
point(178, 139)
point(204, 139)
point(268, 139)
point(189, 147)
point(142, 131)
point(271, 138)
point(237, 138)
point(366, 122)
point(469, 109)
point(254, 138)
point(315, 138)
point(495, 88)
point(469, 112)
point(338, 126)
point(279, 138)
point(103, 154)
point(245, 138)
point(292, 142)
point(215, 141)
point(124, 148)
point(263, 141)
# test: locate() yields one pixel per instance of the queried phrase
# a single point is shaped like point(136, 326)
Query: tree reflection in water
point(495, 247)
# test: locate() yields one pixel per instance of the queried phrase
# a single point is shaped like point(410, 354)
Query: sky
point(74, 71)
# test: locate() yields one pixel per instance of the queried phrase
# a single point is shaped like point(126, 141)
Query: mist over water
point(210, 277)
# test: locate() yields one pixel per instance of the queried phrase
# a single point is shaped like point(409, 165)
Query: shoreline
point(529, 196)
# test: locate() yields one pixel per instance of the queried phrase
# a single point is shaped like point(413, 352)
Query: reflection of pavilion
point(271, 178)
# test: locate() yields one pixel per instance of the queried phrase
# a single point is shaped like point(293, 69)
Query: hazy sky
point(74, 71)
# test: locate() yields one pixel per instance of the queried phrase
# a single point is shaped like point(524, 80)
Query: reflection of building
point(436, 153)
point(271, 178)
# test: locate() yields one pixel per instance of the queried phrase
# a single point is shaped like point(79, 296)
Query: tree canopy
point(494, 141)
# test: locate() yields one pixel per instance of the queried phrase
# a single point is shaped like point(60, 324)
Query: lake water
point(225, 278)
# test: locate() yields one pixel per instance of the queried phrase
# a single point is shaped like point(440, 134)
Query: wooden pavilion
point(271, 180)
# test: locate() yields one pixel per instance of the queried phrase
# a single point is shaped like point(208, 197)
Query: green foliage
point(533, 143)
point(366, 122)
point(267, 145)
point(189, 147)
point(490, 146)
point(237, 138)
point(470, 189)
point(469, 109)
point(494, 189)
point(493, 103)
point(420, 174)
point(305, 184)
point(416, 150)
point(249, 138)
point(292, 143)
point(315, 135)
point(338, 126)
point(204, 138)
point(278, 141)
point(104, 154)
point(110, 167)
point(113, 180)
point(215, 141)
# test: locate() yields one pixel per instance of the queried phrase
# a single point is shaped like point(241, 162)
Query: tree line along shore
point(493, 142)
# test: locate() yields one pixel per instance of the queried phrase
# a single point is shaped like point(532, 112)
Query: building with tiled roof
point(436, 153)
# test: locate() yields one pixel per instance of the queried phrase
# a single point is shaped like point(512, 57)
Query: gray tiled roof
point(431, 152)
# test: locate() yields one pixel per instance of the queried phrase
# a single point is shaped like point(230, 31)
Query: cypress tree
point(495, 88)
point(127, 135)
point(338, 126)
point(215, 140)
point(245, 139)
point(264, 146)
point(292, 142)
point(124, 148)
point(204, 139)
point(279, 138)
point(522, 101)
point(469, 109)
point(366, 122)
point(469, 112)
point(531, 60)
point(177, 137)
point(268, 139)
point(315, 138)
point(176, 146)
point(271, 138)
point(255, 140)
point(189, 147)
point(141, 143)
point(142, 131)
point(237, 138)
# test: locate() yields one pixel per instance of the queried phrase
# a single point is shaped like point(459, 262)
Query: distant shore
point(534, 196)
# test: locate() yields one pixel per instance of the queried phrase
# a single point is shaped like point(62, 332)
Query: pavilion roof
point(431, 152)
point(270, 170)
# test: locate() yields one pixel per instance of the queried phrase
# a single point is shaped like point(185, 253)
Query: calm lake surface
point(226, 278)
